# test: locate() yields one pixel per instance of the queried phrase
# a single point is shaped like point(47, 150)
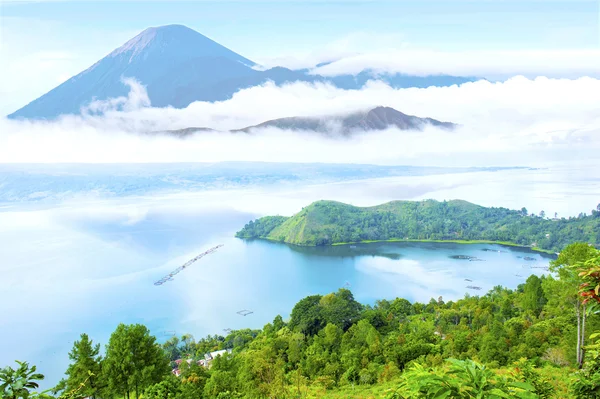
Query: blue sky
point(45, 42)
point(268, 28)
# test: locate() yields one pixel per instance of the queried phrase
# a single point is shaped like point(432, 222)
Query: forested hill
point(330, 222)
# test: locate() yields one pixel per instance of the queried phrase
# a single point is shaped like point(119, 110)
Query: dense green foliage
point(19, 382)
point(329, 222)
point(504, 344)
point(262, 227)
point(587, 383)
point(468, 379)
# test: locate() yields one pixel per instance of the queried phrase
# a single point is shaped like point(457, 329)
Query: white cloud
point(518, 121)
point(488, 64)
point(348, 46)
point(136, 98)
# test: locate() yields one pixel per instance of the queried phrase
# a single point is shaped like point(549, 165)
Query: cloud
point(488, 64)
point(348, 46)
point(518, 121)
point(136, 99)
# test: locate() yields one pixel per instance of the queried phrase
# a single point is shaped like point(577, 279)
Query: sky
point(43, 43)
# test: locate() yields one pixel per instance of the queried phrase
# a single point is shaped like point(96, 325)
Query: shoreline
point(504, 243)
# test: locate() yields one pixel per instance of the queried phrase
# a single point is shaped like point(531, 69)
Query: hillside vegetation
point(527, 343)
point(330, 222)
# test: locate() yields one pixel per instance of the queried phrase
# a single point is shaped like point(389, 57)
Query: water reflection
point(344, 251)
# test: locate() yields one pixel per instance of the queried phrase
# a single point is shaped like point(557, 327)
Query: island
point(335, 223)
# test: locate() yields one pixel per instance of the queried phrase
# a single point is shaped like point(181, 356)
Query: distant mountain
point(163, 58)
point(179, 66)
point(185, 132)
point(379, 118)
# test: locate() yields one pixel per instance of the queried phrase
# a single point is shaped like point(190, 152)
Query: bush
point(587, 382)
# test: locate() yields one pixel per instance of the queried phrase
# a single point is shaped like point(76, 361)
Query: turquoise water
point(86, 264)
point(87, 272)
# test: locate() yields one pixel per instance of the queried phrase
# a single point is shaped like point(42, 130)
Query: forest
point(540, 340)
point(330, 222)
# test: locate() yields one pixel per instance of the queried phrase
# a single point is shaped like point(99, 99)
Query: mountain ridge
point(373, 119)
point(378, 118)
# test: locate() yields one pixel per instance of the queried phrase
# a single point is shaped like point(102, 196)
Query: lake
point(86, 263)
point(89, 273)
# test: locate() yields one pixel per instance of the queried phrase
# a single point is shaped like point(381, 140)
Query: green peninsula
point(331, 222)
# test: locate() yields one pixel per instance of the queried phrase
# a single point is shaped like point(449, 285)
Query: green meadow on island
point(331, 223)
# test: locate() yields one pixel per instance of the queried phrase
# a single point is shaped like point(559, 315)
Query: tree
point(188, 344)
point(340, 308)
point(569, 283)
point(172, 349)
point(401, 308)
point(263, 371)
point(193, 380)
point(19, 383)
point(134, 361)
point(278, 323)
point(524, 211)
point(169, 388)
point(534, 298)
point(85, 358)
point(306, 315)
point(542, 214)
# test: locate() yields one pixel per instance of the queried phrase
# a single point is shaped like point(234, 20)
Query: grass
point(375, 391)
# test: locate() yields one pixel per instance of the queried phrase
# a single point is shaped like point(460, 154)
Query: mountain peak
point(173, 40)
point(137, 44)
point(381, 108)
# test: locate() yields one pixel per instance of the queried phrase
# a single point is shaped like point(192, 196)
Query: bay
point(93, 276)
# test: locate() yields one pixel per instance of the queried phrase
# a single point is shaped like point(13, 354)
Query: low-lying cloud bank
point(493, 64)
point(516, 121)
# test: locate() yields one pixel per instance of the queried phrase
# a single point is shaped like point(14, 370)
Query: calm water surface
point(121, 262)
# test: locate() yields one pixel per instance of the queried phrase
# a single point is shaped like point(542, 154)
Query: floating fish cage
point(244, 312)
point(169, 277)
